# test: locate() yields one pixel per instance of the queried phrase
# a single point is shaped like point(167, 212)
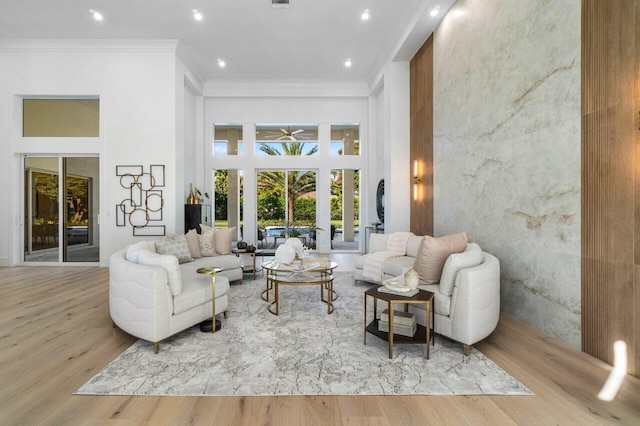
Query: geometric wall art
point(142, 208)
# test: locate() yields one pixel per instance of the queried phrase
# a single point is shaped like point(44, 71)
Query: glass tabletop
point(311, 264)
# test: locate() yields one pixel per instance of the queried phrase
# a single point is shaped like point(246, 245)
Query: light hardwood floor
point(56, 334)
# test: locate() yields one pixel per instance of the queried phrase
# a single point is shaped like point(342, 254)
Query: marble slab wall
point(507, 149)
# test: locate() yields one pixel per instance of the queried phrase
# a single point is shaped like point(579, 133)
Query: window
point(228, 140)
point(345, 139)
point(228, 199)
point(286, 139)
point(60, 118)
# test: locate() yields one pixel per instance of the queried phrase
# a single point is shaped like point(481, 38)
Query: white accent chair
point(470, 313)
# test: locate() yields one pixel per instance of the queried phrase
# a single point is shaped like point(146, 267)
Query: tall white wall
point(507, 149)
point(136, 85)
point(396, 145)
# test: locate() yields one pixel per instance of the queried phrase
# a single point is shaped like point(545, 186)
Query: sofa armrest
point(475, 303)
point(140, 300)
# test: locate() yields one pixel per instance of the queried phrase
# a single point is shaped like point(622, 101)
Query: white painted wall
point(247, 110)
point(136, 85)
point(396, 146)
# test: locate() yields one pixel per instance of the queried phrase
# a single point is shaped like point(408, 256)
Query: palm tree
point(298, 183)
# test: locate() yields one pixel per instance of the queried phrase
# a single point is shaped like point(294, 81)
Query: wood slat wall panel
point(610, 178)
point(421, 107)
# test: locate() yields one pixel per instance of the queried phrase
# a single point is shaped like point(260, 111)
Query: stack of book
point(404, 323)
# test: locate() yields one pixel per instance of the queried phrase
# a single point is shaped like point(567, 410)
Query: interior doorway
point(61, 205)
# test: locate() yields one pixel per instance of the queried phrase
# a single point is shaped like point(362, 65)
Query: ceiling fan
point(287, 134)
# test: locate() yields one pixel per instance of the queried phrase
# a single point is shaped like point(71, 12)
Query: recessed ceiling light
point(435, 11)
point(347, 63)
point(96, 15)
point(197, 15)
point(221, 63)
point(365, 15)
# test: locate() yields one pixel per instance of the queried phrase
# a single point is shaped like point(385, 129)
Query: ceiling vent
point(278, 4)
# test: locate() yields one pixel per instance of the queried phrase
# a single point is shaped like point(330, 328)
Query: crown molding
point(64, 45)
point(286, 88)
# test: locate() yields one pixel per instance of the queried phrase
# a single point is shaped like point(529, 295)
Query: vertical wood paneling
point(610, 178)
point(421, 107)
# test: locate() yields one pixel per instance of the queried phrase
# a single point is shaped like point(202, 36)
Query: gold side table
point(250, 268)
point(423, 334)
point(212, 270)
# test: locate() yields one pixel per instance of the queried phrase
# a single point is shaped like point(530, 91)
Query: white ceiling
point(310, 40)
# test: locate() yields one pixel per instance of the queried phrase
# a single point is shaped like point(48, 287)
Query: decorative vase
point(285, 254)
point(196, 198)
point(296, 244)
point(411, 279)
point(191, 196)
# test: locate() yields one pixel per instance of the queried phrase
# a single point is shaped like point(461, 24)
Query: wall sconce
point(417, 180)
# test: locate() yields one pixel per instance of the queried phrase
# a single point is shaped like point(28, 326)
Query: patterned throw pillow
point(207, 244)
point(222, 238)
point(193, 243)
point(176, 246)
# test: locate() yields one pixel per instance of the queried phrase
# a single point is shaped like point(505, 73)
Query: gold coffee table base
point(306, 272)
point(325, 283)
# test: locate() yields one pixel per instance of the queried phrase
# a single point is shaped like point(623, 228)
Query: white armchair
point(468, 310)
point(472, 311)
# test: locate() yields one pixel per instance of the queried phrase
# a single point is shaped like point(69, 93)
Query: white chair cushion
point(454, 263)
point(398, 265)
point(167, 262)
point(441, 303)
point(197, 290)
point(227, 263)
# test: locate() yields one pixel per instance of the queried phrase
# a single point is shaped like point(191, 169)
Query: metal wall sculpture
point(143, 207)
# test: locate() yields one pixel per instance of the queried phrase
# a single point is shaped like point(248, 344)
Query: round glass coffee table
point(303, 272)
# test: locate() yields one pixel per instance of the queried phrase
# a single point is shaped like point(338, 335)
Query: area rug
point(303, 351)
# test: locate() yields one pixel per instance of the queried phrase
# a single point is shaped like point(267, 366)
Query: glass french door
point(286, 204)
point(345, 209)
point(61, 209)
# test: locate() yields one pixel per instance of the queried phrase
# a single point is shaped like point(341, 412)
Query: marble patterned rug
point(303, 351)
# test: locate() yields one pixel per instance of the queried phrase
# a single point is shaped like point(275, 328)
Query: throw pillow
point(223, 239)
point(193, 243)
point(167, 262)
point(433, 254)
point(204, 228)
point(175, 246)
point(454, 263)
point(206, 244)
point(133, 249)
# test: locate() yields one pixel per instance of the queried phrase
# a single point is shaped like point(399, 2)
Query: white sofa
point(142, 303)
point(472, 310)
